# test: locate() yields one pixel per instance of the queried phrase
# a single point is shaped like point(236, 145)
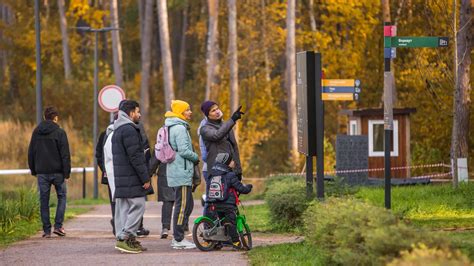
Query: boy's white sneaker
point(183, 244)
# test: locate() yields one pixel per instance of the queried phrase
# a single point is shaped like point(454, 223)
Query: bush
point(287, 202)
point(357, 233)
point(422, 255)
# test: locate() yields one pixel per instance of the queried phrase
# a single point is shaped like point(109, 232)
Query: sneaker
point(236, 245)
point(59, 231)
point(126, 246)
point(183, 244)
point(164, 233)
point(137, 244)
point(46, 235)
point(142, 232)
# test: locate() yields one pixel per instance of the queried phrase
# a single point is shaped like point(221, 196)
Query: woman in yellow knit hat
point(180, 171)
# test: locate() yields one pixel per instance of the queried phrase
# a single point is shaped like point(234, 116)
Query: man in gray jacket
point(218, 135)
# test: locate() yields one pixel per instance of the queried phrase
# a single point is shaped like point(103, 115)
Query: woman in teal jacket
point(180, 171)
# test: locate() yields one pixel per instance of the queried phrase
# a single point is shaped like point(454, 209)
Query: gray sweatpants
point(128, 214)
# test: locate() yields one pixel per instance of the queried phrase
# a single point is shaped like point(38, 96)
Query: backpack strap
point(169, 134)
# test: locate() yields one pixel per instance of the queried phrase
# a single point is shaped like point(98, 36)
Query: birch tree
point(462, 89)
point(233, 63)
point(116, 45)
point(146, 35)
point(65, 39)
point(165, 52)
point(211, 59)
point(291, 81)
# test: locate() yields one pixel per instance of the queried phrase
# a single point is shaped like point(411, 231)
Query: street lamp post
point(96, 85)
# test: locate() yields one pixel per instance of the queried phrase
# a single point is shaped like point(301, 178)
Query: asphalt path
point(89, 241)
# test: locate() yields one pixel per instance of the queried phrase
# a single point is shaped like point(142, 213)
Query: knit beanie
point(177, 109)
point(206, 107)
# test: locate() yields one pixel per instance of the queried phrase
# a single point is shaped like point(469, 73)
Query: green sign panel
point(413, 42)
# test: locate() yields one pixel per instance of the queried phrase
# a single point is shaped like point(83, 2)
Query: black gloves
point(250, 186)
point(237, 114)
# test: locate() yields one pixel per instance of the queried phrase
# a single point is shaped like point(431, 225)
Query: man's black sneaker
point(46, 235)
point(142, 232)
point(59, 231)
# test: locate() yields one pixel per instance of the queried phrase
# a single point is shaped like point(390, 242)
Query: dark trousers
point(166, 213)
point(44, 186)
point(228, 211)
point(184, 205)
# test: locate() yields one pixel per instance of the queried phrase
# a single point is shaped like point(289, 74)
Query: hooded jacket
point(219, 137)
point(130, 168)
point(220, 169)
point(180, 171)
point(109, 158)
point(48, 152)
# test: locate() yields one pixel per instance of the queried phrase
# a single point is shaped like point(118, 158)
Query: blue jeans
point(44, 186)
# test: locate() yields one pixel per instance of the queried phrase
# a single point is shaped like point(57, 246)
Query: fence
point(82, 170)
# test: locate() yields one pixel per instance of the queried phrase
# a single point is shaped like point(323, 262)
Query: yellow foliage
point(422, 255)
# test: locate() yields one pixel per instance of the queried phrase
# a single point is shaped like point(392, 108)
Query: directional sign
point(109, 98)
point(338, 82)
point(390, 52)
point(413, 42)
point(338, 96)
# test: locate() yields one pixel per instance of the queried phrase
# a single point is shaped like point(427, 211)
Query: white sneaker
point(183, 244)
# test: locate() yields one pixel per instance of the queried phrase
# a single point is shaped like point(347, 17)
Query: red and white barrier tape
point(380, 170)
point(433, 175)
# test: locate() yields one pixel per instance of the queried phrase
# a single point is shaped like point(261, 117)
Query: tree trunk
point(182, 49)
point(212, 47)
point(146, 37)
point(386, 10)
point(116, 45)
point(65, 40)
point(462, 90)
point(165, 53)
point(264, 38)
point(233, 63)
point(291, 82)
point(311, 15)
point(103, 35)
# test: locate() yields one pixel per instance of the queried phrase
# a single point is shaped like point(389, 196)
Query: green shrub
point(287, 202)
point(357, 233)
point(422, 255)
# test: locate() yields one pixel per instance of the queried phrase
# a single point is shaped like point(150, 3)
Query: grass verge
point(24, 229)
point(287, 254)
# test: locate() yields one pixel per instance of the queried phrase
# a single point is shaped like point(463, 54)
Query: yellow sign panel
point(338, 96)
point(338, 82)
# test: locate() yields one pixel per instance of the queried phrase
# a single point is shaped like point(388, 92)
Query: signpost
point(312, 90)
point(390, 44)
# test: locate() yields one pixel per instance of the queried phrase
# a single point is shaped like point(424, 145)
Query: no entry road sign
point(110, 97)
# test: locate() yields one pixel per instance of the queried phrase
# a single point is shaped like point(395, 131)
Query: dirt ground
point(89, 241)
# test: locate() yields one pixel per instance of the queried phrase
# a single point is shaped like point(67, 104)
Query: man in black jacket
point(132, 181)
point(50, 161)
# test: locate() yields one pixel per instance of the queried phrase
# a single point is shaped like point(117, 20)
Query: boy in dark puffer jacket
point(222, 191)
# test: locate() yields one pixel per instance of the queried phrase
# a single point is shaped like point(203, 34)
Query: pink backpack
point(163, 150)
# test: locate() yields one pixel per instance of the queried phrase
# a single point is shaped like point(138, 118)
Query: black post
point(83, 183)
point(95, 126)
point(319, 129)
point(388, 182)
point(309, 177)
point(39, 96)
